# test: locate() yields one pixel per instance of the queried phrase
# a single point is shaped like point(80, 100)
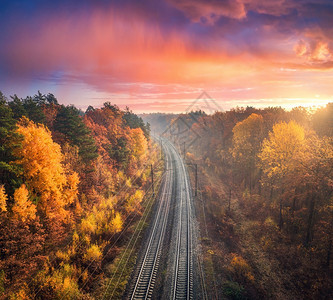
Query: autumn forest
point(170, 149)
point(265, 198)
point(69, 180)
point(75, 186)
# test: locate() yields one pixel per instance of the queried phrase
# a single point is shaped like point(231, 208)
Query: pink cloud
point(108, 47)
point(315, 48)
point(209, 11)
point(132, 59)
point(271, 7)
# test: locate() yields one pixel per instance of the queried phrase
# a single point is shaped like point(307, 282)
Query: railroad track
point(176, 194)
point(182, 283)
point(145, 276)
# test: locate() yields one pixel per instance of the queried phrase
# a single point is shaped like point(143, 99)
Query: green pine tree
point(71, 125)
point(9, 139)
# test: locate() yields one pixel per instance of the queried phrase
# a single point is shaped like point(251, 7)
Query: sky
point(161, 55)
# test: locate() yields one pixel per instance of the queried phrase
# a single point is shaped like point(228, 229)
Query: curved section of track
point(182, 274)
point(174, 202)
point(146, 272)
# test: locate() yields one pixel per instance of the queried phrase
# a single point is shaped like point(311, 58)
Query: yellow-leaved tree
point(281, 151)
point(117, 223)
point(246, 141)
point(280, 157)
point(138, 145)
point(43, 171)
point(133, 202)
point(3, 199)
point(23, 209)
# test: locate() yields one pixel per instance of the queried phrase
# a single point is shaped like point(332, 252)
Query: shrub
point(88, 225)
point(117, 223)
point(241, 269)
point(233, 290)
point(93, 253)
point(70, 289)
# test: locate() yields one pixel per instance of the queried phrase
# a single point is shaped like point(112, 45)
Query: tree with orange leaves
point(23, 208)
point(50, 187)
point(21, 239)
point(3, 199)
point(41, 160)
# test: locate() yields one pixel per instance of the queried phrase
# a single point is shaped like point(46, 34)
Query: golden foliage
point(76, 238)
point(117, 223)
point(241, 268)
point(103, 219)
point(281, 150)
point(134, 201)
point(247, 136)
point(140, 145)
point(21, 294)
point(251, 126)
point(63, 255)
point(3, 199)
point(71, 190)
point(64, 283)
point(50, 196)
point(122, 180)
point(69, 285)
point(23, 208)
point(93, 253)
point(316, 161)
point(41, 160)
point(88, 224)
